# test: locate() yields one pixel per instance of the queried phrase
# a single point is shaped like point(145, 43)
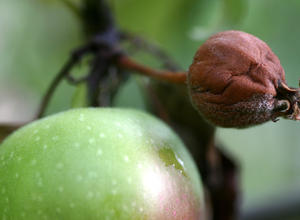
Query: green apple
point(98, 164)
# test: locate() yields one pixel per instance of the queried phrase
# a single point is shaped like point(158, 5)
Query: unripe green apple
point(98, 164)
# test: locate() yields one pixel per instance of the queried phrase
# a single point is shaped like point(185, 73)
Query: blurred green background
point(36, 37)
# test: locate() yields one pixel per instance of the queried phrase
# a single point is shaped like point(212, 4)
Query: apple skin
point(103, 163)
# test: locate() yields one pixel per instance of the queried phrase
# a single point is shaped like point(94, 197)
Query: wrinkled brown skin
point(233, 80)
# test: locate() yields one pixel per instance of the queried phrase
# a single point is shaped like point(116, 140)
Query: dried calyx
point(236, 80)
point(289, 100)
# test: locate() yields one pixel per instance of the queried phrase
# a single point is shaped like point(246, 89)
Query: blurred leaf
point(72, 5)
point(228, 15)
point(234, 11)
point(59, 1)
point(133, 90)
point(169, 23)
point(80, 96)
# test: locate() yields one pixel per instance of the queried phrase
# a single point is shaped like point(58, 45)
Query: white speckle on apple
point(19, 158)
point(89, 128)
point(141, 209)
point(40, 183)
point(133, 204)
point(101, 135)
point(91, 140)
point(120, 136)
point(90, 195)
point(99, 152)
point(77, 145)
point(35, 131)
point(17, 175)
point(47, 126)
point(81, 117)
point(11, 155)
point(37, 198)
point(118, 124)
point(45, 147)
point(92, 174)
point(140, 165)
point(114, 182)
point(33, 162)
point(58, 210)
point(79, 178)
point(72, 205)
point(126, 158)
point(129, 180)
point(179, 160)
point(55, 138)
point(60, 189)
point(114, 191)
point(59, 165)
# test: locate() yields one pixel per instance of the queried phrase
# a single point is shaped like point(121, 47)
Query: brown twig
point(123, 61)
point(163, 75)
point(59, 77)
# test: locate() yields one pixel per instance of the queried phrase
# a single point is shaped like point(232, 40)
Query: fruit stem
point(164, 75)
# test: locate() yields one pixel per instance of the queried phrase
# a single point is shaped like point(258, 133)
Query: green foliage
point(176, 23)
point(234, 10)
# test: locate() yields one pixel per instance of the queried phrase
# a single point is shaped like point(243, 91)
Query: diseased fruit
point(236, 80)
